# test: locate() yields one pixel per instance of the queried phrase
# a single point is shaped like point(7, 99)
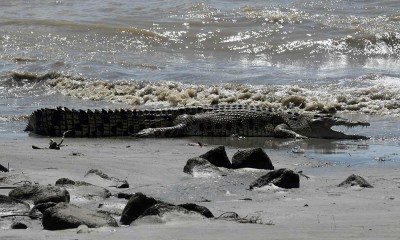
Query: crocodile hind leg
point(181, 127)
point(174, 131)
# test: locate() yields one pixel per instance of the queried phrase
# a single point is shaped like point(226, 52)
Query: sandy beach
point(319, 209)
point(63, 60)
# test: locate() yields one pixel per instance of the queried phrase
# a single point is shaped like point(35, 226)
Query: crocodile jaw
point(330, 133)
point(321, 127)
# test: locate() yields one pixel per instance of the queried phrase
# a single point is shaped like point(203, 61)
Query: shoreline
point(318, 209)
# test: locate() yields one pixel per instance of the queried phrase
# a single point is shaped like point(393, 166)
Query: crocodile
point(213, 120)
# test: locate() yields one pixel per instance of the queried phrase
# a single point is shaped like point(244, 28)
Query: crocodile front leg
point(283, 131)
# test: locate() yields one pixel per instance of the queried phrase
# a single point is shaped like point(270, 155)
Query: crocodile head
point(320, 126)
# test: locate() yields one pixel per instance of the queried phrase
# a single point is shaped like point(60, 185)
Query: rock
point(200, 167)
point(10, 205)
point(98, 173)
point(355, 180)
point(40, 194)
point(228, 216)
point(124, 195)
point(283, 178)
point(252, 158)
point(136, 205)
point(122, 184)
point(107, 180)
point(217, 157)
point(83, 191)
point(162, 213)
point(66, 216)
point(233, 216)
point(162, 208)
point(3, 169)
point(197, 208)
point(83, 229)
point(64, 181)
point(40, 208)
point(18, 225)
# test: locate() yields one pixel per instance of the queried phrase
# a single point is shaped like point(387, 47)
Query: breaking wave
point(13, 118)
point(371, 94)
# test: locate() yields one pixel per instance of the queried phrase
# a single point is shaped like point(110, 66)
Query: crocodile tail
point(31, 126)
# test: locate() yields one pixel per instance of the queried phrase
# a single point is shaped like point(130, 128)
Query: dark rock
point(40, 194)
point(197, 208)
point(200, 167)
point(124, 195)
point(3, 169)
point(217, 157)
point(202, 199)
point(355, 180)
point(65, 181)
point(136, 205)
point(10, 205)
point(283, 178)
point(18, 225)
point(122, 184)
point(164, 212)
point(40, 208)
point(161, 208)
point(246, 199)
point(66, 216)
point(252, 158)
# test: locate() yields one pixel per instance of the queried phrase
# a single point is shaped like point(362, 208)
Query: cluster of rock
point(209, 164)
point(52, 204)
point(214, 161)
point(59, 213)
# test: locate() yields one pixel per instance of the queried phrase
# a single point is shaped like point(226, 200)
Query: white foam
point(373, 95)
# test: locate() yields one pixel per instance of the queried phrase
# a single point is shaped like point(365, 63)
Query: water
point(317, 55)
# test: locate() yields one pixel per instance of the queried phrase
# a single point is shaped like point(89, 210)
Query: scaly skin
point(223, 120)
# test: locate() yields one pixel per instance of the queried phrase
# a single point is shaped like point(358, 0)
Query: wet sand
point(318, 209)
